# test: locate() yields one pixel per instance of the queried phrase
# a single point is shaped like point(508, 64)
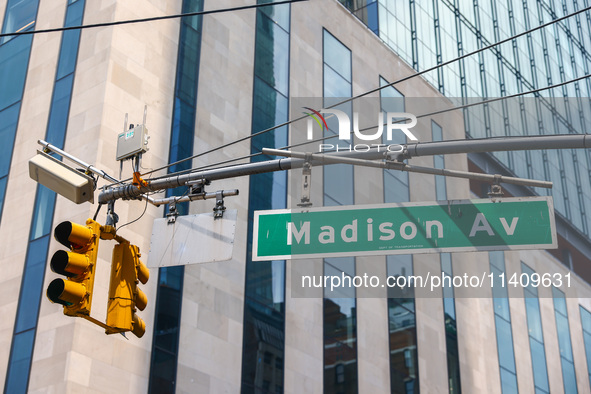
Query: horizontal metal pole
point(561, 141)
point(324, 159)
point(417, 169)
point(130, 191)
point(204, 196)
point(87, 166)
point(471, 175)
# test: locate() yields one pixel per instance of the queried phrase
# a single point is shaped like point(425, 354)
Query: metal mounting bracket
point(112, 217)
point(172, 213)
point(197, 187)
point(218, 210)
point(496, 191)
point(305, 201)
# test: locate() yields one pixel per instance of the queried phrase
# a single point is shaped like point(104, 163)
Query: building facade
point(210, 80)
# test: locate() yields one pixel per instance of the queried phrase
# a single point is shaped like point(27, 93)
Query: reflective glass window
point(505, 344)
point(271, 40)
point(20, 16)
point(337, 56)
point(586, 323)
point(508, 382)
point(60, 110)
point(8, 123)
point(404, 367)
point(538, 357)
point(264, 307)
point(165, 342)
point(340, 324)
point(564, 341)
point(534, 321)
point(504, 334)
point(30, 295)
point(17, 376)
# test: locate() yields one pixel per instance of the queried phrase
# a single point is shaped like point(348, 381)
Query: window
point(586, 323)
point(564, 342)
point(264, 301)
point(340, 318)
point(536, 336)
point(503, 326)
point(451, 330)
point(35, 262)
point(20, 16)
point(165, 342)
point(402, 331)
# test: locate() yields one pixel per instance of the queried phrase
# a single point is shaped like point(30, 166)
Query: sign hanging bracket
point(305, 201)
point(172, 213)
point(496, 191)
point(218, 210)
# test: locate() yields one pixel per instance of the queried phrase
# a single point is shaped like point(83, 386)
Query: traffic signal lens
point(141, 300)
point(65, 292)
point(143, 274)
point(69, 264)
point(72, 235)
point(139, 327)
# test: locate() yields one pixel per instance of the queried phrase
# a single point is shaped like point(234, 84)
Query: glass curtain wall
point(20, 15)
point(429, 33)
point(404, 367)
point(340, 316)
point(449, 303)
point(536, 335)
point(586, 322)
point(564, 342)
point(19, 365)
point(264, 302)
point(503, 326)
point(165, 342)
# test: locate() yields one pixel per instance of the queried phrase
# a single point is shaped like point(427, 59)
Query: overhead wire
point(464, 106)
point(143, 20)
point(404, 79)
point(488, 101)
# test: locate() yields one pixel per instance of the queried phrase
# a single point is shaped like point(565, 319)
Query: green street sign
point(405, 228)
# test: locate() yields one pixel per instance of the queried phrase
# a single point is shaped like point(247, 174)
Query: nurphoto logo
point(395, 121)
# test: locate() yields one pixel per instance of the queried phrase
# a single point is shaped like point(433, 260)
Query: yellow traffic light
point(78, 265)
point(124, 294)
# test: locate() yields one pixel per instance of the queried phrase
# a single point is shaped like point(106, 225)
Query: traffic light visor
point(69, 264)
point(139, 327)
point(65, 293)
point(72, 235)
point(143, 274)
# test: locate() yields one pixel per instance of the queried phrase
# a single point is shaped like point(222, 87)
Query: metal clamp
point(218, 210)
point(305, 201)
point(172, 213)
point(112, 217)
point(495, 189)
point(197, 187)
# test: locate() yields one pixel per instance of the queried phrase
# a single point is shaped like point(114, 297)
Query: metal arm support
point(564, 141)
point(418, 169)
point(48, 147)
point(88, 167)
point(561, 141)
point(130, 191)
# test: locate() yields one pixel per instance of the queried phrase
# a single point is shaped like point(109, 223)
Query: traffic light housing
point(125, 297)
point(78, 265)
